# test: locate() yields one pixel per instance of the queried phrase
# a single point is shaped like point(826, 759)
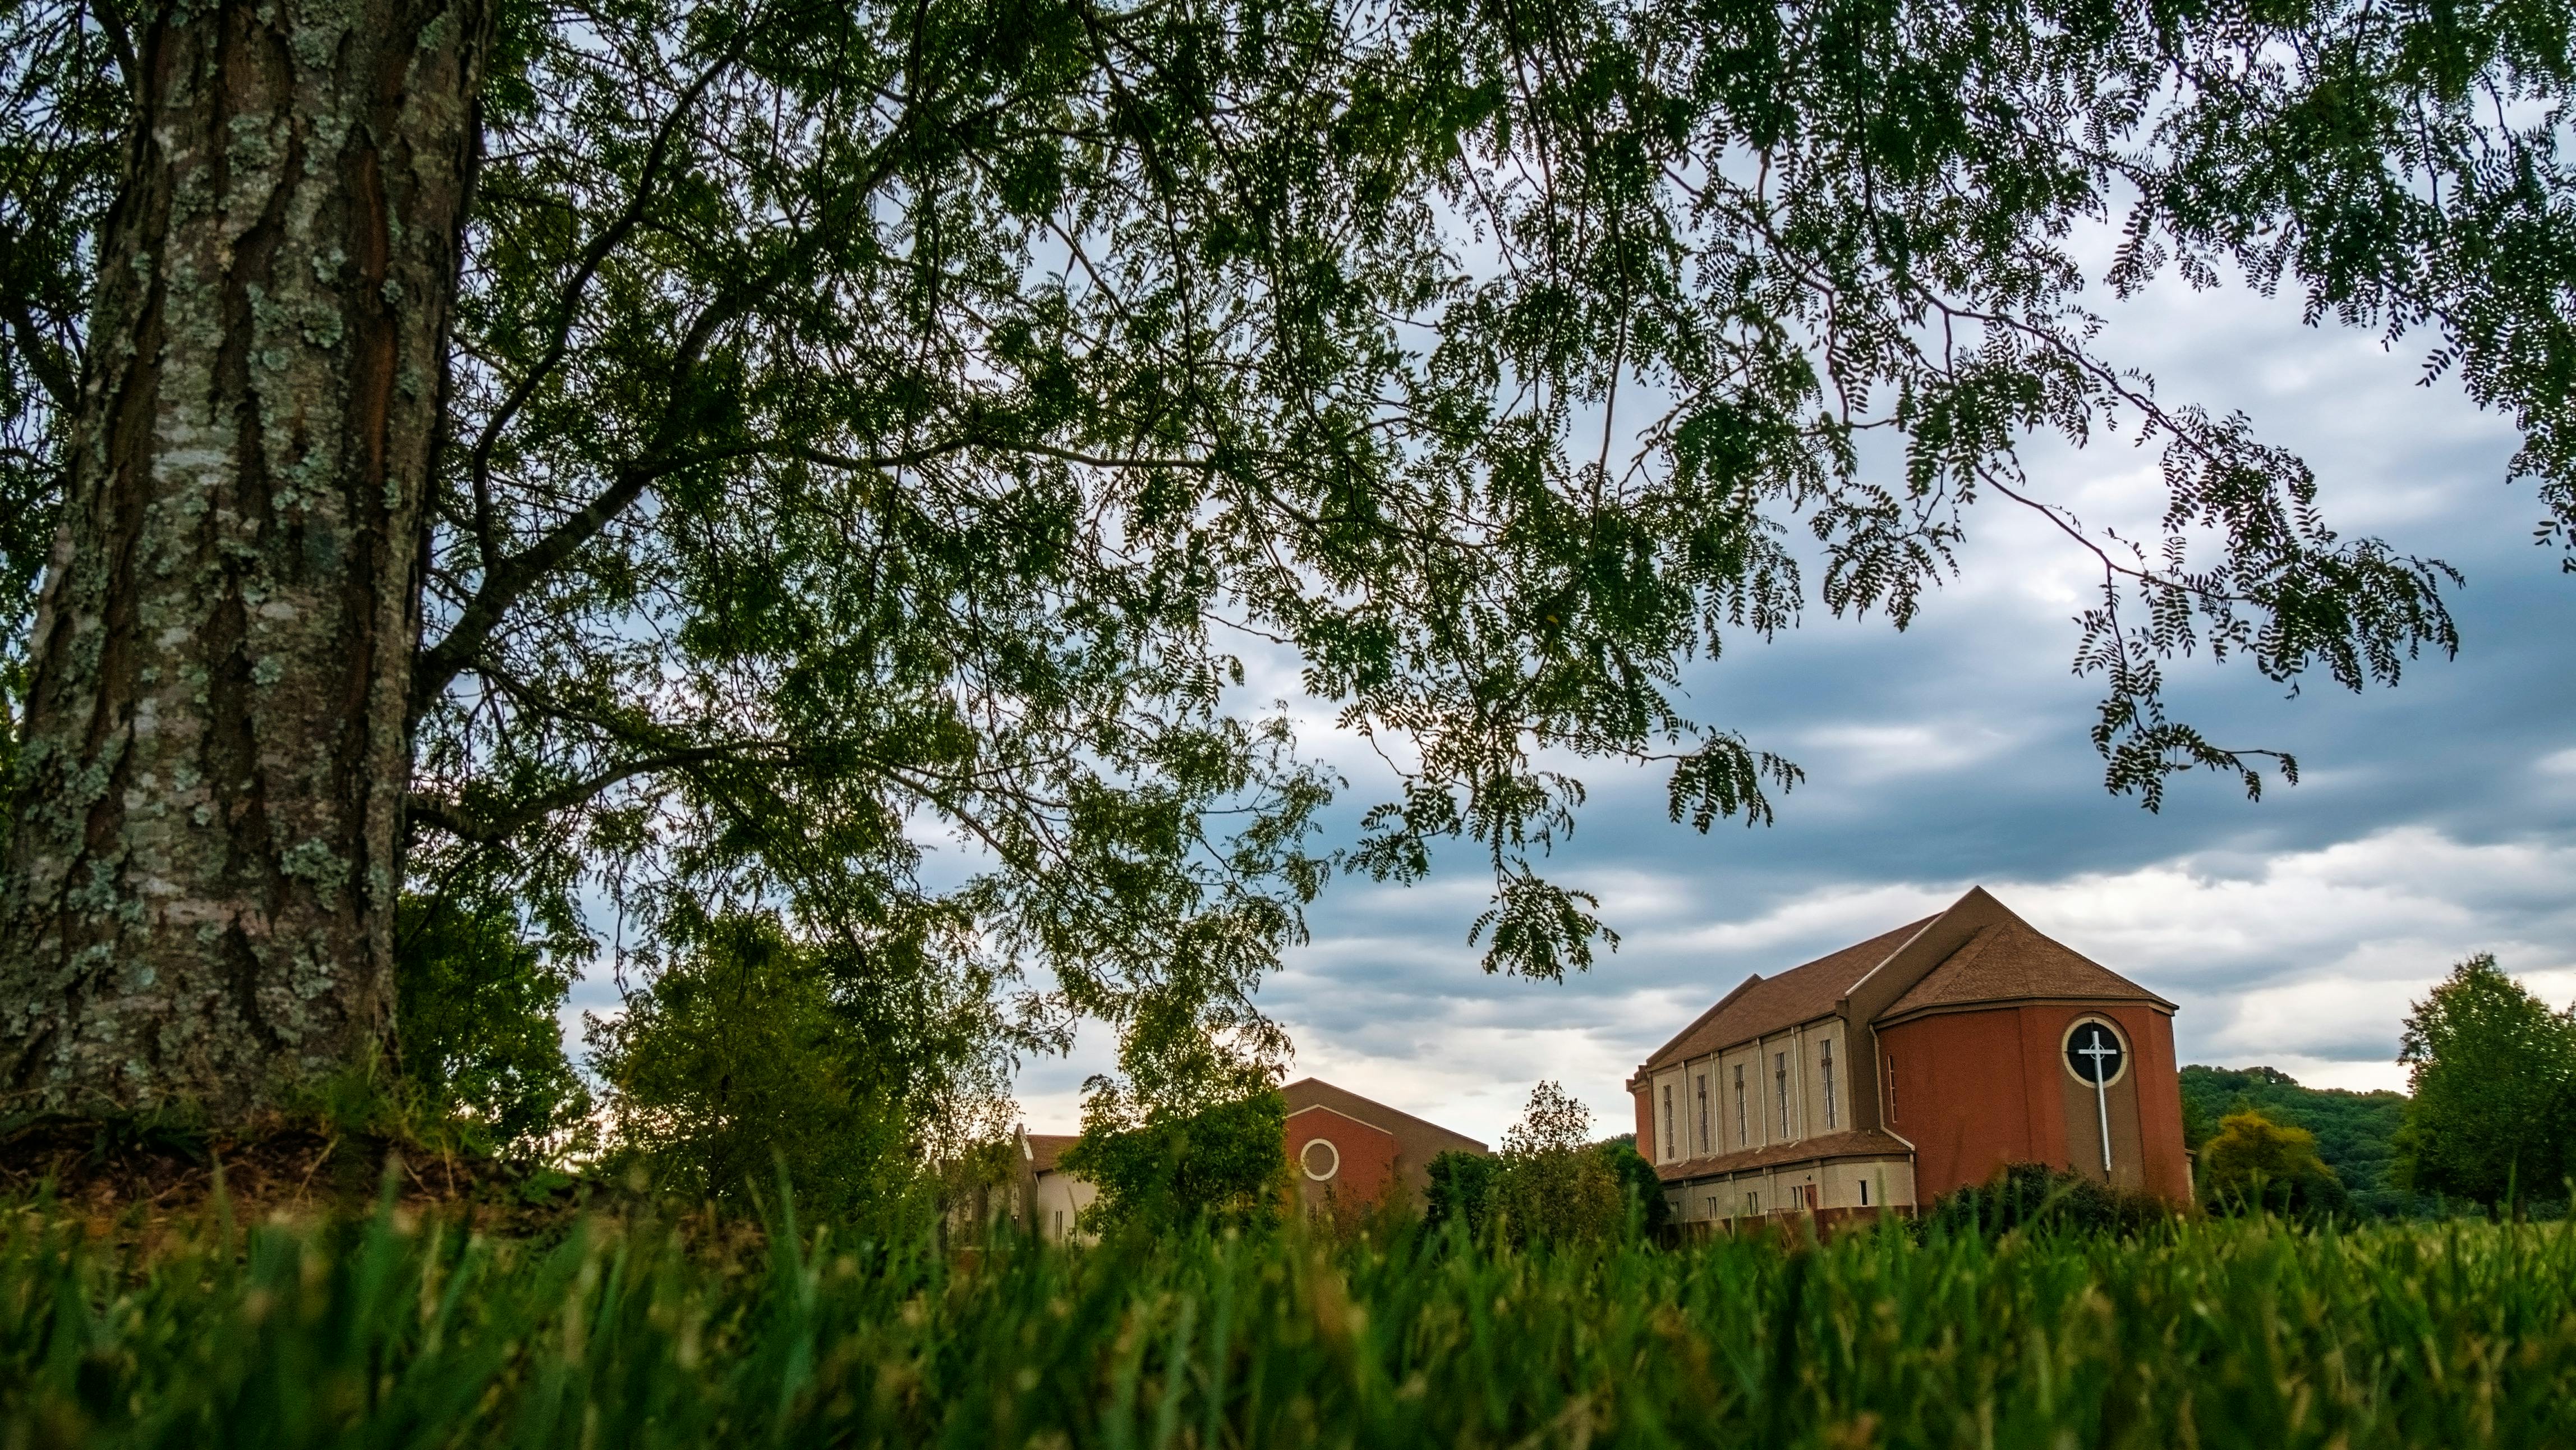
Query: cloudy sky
point(2432, 821)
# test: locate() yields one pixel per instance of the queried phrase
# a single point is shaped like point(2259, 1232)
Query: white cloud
point(1867, 754)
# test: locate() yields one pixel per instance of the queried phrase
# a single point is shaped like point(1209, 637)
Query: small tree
point(746, 1056)
point(1638, 1183)
point(1462, 1190)
point(1191, 1128)
point(480, 1039)
point(1550, 1185)
point(2493, 1074)
point(2254, 1162)
point(1221, 1165)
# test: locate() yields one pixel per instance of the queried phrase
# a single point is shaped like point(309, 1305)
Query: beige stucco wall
point(1756, 1121)
point(1060, 1199)
point(1837, 1184)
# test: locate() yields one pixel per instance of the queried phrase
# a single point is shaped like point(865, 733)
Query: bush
point(2034, 1197)
point(735, 1065)
point(2255, 1164)
point(1461, 1192)
point(479, 1038)
point(1649, 1210)
point(1220, 1166)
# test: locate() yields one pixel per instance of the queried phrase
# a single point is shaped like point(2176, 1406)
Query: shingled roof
point(1773, 1004)
point(1975, 952)
point(2010, 960)
point(1858, 1143)
point(1045, 1148)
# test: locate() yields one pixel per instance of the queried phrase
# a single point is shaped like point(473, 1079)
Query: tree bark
point(202, 866)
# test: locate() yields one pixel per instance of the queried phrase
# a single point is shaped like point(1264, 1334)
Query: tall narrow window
point(1780, 1083)
point(1743, 1129)
point(1828, 1064)
point(1705, 1145)
point(1864, 1193)
point(1887, 1064)
point(1669, 1146)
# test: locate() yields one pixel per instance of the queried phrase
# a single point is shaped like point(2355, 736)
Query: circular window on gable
point(1320, 1158)
point(2095, 1053)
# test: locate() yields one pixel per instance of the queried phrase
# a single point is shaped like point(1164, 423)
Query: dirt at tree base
point(125, 1175)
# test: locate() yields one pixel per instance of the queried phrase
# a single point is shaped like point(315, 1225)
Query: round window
point(1321, 1159)
point(2094, 1052)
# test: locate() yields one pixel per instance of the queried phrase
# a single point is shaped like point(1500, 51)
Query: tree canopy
point(870, 424)
point(2492, 1072)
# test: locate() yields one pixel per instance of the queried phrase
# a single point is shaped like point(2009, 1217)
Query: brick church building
point(1914, 1063)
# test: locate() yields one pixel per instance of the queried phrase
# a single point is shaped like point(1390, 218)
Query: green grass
point(371, 1333)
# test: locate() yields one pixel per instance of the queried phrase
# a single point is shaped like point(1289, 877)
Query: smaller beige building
point(1056, 1199)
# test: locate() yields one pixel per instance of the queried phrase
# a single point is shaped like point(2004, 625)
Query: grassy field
point(395, 1333)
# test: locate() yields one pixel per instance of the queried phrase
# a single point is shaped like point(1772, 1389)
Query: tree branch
point(610, 238)
point(451, 817)
point(508, 579)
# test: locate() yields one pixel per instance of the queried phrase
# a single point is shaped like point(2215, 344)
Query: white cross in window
point(2101, 1099)
point(2097, 1052)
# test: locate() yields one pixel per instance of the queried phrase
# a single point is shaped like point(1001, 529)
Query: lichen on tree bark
point(203, 865)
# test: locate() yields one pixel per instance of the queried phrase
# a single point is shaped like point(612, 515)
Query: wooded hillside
point(2356, 1132)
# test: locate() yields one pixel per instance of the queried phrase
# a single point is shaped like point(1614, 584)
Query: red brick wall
point(1976, 1090)
point(2159, 1100)
point(1645, 1122)
point(1368, 1157)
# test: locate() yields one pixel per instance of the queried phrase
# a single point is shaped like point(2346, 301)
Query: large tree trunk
point(200, 883)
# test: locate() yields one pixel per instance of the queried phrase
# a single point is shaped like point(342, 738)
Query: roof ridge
point(2011, 959)
point(1372, 1102)
point(1810, 990)
point(1926, 924)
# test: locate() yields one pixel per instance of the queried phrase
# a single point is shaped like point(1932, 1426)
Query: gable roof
point(1045, 1148)
point(1314, 1092)
point(1772, 1004)
point(1295, 1113)
point(1974, 952)
point(2010, 960)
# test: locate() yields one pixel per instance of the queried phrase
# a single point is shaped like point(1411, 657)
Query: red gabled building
point(1349, 1150)
point(1911, 1064)
point(1345, 1153)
